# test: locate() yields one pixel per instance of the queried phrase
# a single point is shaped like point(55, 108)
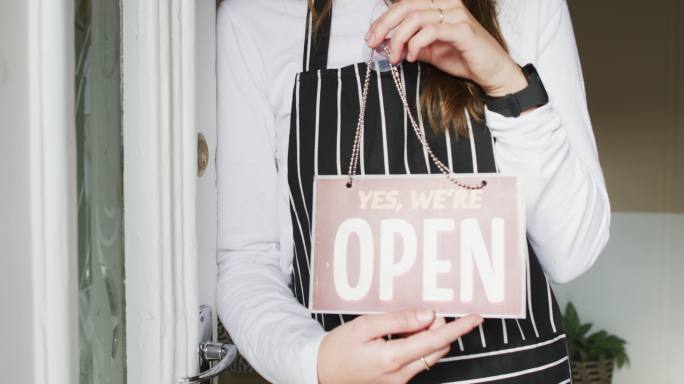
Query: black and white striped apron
point(325, 108)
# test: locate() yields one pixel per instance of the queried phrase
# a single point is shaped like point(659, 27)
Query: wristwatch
point(512, 105)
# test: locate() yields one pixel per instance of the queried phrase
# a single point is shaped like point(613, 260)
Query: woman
point(289, 89)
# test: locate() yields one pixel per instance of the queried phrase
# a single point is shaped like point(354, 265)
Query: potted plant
point(592, 356)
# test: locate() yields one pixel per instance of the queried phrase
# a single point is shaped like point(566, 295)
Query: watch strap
point(512, 105)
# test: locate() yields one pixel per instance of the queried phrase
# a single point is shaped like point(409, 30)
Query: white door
point(169, 211)
point(169, 140)
point(239, 371)
point(205, 107)
point(160, 184)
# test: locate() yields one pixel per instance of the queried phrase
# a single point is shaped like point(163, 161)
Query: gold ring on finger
point(441, 15)
point(427, 366)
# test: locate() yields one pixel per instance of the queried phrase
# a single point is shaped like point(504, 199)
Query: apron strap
point(316, 42)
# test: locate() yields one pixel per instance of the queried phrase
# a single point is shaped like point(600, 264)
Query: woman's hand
point(445, 34)
point(356, 353)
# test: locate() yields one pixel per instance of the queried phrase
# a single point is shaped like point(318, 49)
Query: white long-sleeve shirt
point(260, 48)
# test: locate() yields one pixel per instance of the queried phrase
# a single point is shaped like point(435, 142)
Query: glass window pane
point(100, 191)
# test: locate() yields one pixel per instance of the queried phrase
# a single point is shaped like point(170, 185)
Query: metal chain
point(356, 149)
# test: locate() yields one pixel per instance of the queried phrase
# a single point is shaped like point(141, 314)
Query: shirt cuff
point(533, 122)
point(310, 359)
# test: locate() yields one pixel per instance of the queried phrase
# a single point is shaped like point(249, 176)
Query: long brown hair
point(445, 98)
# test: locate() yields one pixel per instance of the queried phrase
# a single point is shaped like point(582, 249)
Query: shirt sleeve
point(553, 150)
point(271, 329)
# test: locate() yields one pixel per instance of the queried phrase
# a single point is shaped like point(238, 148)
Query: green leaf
point(571, 317)
point(584, 328)
point(600, 345)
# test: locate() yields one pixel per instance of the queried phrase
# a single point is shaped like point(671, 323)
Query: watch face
point(529, 70)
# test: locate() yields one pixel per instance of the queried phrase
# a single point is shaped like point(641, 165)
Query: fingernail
point(478, 320)
point(370, 36)
point(424, 315)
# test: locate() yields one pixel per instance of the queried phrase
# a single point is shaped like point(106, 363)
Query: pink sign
point(418, 241)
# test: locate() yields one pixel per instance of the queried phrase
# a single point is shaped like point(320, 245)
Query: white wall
point(636, 290)
point(633, 59)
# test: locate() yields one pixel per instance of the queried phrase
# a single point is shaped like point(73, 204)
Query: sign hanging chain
point(356, 149)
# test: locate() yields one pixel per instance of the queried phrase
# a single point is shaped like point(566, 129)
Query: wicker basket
point(592, 372)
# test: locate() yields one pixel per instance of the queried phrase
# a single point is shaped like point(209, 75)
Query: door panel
point(205, 62)
point(205, 104)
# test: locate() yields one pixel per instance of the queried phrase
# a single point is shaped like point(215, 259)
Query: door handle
point(219, 355)
point(224, 353)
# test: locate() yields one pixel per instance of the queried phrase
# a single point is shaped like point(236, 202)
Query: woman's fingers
point(391, 18)
point(411, 20)
point(398, 12)
point(411, 24)
point(370, 327)
point(417, 366)
point(459, 35)
point(438, 322)
point(405, 351)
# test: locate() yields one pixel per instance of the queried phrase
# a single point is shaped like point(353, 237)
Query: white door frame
point(160, 175)
point(36, 77)
point(39, 324)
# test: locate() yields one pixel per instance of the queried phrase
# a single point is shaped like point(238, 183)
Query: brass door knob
point(202, 154)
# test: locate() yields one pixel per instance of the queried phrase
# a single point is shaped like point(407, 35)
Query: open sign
point(418, 241)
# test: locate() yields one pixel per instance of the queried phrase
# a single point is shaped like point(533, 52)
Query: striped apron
point(325, 108)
